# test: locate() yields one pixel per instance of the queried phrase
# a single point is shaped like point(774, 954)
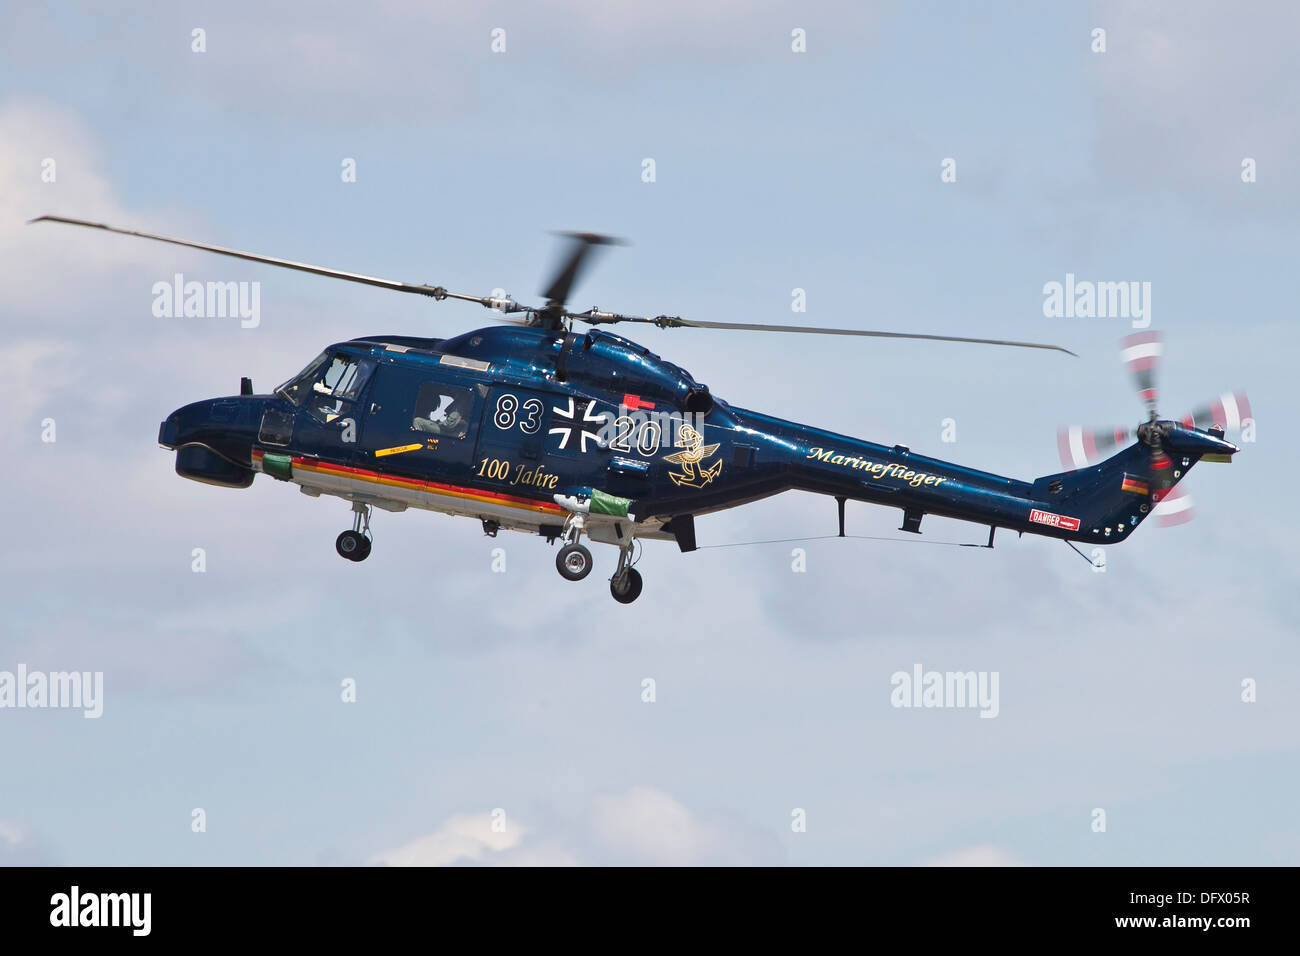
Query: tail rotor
point(1080, 447)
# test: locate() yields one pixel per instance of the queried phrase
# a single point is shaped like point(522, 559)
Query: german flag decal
point(1135, 485)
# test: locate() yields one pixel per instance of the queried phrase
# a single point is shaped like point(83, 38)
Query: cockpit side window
point(298, 387)
point(337, 376)
point(336, 385)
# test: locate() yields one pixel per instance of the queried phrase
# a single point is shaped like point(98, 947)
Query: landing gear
point(573, 562)
point(626, 587)
point(352, 545)
point(355, 544)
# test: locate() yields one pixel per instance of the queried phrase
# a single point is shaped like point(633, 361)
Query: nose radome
point(214, 439)
point(227, 425)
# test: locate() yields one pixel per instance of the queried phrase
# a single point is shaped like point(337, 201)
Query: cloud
point(463, 838)
point(19, 848)
point(984, 855)
point(34, 134)
point(408, 62)
point(640, 826)
point(1187, 90)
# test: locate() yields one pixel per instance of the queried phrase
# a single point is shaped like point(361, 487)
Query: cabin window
point(442, 410)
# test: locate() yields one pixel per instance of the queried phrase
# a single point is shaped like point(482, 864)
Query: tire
point(573, 562)
point(631, 589)
point(352, 545)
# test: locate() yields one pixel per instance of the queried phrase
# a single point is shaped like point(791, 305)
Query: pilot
point(452, 423)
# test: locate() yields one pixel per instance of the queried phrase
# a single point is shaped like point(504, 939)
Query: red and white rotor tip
point(1141, 352)
point(1174, 507)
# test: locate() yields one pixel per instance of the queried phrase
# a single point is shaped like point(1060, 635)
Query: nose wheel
point(573, 562)
point(355, 544)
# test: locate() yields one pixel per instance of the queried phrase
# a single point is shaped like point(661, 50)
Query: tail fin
point(1113, 497)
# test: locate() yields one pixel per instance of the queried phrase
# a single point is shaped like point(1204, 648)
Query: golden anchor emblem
point(694, 451)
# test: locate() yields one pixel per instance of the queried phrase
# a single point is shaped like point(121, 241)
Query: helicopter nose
point(213, 439)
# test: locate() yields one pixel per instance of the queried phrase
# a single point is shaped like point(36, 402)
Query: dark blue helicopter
point(536, 427)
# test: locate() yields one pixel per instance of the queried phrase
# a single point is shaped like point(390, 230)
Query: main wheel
point(628, 589)
point(573, 562)
point(352, 545)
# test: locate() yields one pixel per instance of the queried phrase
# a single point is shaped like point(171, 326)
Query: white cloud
point(18, 847)
point(984, 855)
point(463, 838)
point(650, 825)
point(41, 270)
point(639, 826)
point(1190, 89)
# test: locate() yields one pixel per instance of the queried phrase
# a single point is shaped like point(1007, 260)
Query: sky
point(501, 717)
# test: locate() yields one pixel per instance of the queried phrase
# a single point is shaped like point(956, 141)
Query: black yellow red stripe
point(313, 466)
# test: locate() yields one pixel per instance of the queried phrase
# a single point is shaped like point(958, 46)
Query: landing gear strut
point(574, 561)
point(625, 585)
point(355, 544)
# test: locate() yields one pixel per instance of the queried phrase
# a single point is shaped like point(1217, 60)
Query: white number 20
point(647, 439)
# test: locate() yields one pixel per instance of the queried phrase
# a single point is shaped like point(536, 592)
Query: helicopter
point(536, 425)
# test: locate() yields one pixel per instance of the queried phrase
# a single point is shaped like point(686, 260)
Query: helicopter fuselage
point(523, 427)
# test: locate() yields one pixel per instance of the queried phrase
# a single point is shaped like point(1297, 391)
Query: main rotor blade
point(558, 291)
point(672, 321)
point(436, 292)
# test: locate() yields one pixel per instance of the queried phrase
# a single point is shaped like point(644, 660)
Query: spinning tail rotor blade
point(1141, 353)
point(1229, 411)
point(1079, 446)
point(1173, 507)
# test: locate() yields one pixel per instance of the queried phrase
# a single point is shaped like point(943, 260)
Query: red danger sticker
point(1056, 521)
